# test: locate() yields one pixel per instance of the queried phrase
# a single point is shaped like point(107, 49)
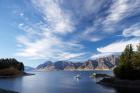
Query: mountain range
point(103, 63)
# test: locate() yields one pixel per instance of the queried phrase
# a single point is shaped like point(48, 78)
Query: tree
point(136, 58)
point(21, 67)
point(125, 69)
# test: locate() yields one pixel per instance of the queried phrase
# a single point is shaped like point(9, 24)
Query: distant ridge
point(103, 63)
point(28, 68)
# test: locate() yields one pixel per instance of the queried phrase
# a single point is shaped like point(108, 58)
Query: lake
point(58, 82)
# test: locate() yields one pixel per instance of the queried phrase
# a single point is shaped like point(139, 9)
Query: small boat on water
point(94, 74)
point(77, 76)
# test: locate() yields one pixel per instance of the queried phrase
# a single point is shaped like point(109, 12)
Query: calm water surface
point(58, 82)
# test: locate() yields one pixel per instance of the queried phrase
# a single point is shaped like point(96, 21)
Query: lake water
point(58, 82)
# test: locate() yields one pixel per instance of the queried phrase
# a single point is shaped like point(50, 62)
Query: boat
point(77, 76)
point(94, 74)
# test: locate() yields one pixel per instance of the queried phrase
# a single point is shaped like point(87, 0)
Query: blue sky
point(34, 31)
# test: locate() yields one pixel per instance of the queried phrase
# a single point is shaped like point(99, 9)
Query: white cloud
point(21, 14)
point(100, 55)
point(133, 30)
point(115, 48)
point(119, 10)
point(82, 8)
point(118, 46)
point(45, 40)
point(91, 34)
point(59, 21)
point(32, 29)
point(69, 56)
point(21, 24)
point(89, 30)
point(92, 6)
point(95, 39)
point(49, 47)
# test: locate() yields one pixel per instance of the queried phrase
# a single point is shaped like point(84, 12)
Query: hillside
point(104, 63)
point(11, 67)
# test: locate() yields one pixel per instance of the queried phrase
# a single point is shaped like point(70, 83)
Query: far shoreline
point(42, 70)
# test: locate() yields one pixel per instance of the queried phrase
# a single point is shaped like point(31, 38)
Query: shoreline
point(14, 76)
point(7, 91)
point(117, 83)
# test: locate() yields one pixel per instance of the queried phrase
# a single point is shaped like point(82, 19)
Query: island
point(10, 68)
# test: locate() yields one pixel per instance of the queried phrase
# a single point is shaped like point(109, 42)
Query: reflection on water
point(58, 82)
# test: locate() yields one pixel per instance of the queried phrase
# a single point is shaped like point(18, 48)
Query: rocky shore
point(118, 83)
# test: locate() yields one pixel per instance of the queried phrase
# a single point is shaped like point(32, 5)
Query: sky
point(35, 31)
